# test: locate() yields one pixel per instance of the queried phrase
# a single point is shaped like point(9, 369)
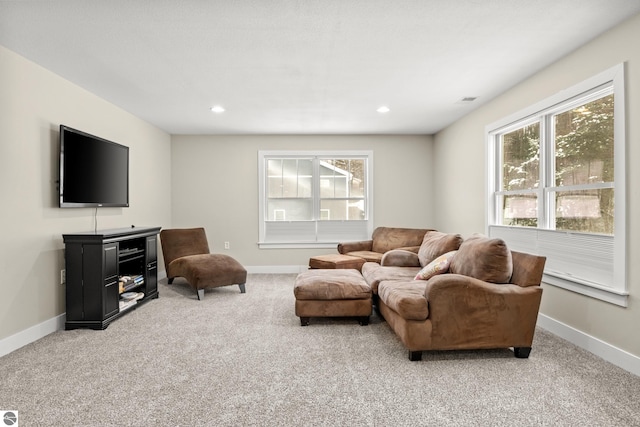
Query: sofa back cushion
point(483, 258)
point(436, 243)
point(388, 238)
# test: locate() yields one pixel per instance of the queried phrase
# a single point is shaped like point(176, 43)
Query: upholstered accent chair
point(186, 254)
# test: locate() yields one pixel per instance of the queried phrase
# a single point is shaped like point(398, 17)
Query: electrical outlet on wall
point(226, 245)
point(63, 276)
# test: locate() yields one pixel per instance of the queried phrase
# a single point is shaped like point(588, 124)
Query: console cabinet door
point(151, 269)
point(110, 295)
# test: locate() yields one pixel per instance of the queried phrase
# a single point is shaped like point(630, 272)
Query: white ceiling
point(301, 66)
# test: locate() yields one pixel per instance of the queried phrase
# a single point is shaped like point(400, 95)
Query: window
point(314, 199)
point(556, 185)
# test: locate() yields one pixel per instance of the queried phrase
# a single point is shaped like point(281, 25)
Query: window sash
point(318, 229)
point(589, 263)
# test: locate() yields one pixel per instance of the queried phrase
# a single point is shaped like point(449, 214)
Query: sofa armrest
point(364, 245)
point(400, 258)
point(467, 311)
point(413, 249)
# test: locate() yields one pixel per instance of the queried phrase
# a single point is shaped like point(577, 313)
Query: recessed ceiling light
point(217, 109)
point(383, 109)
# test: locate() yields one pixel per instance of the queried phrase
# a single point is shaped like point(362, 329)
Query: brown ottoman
point(332, 293)
point(333, 261)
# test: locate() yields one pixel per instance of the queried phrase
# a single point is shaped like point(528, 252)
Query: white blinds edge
point(586, 259)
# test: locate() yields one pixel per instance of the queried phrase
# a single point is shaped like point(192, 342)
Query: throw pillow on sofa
point(436, 243)
point(437, 266)
point(483, 258)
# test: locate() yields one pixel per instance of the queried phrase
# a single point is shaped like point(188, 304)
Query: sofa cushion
point(387, 238)
point(368, 256)
point(374, 273)
point(405, 298)
point(437, 266)
point(331, 285)
point(483, 258)
point(436, 243)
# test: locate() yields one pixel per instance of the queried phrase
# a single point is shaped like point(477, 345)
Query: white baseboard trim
point(276, 269)
point(608, 352)
point(34, 333)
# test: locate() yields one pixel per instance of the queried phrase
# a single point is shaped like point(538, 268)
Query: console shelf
point(96, 262)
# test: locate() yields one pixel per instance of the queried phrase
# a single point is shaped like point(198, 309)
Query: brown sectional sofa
point(488, 298)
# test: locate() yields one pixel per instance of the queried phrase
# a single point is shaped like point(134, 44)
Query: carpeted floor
point(244, 360)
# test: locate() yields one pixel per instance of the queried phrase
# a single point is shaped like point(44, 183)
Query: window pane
point(521, 158)
point(521, 210)
point(274, 178)
point(584, 143)
point(327, 186)
point(356, 176)
point(342, 210)
point(342, 177)
point(589, 211)
point(289, 210)
point(289, 178)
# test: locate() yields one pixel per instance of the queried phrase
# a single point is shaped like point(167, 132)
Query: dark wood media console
point(95, 263)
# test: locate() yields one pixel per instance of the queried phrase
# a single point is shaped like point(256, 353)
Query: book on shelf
point(127, 283)
point(129, 299)
point(125, 305)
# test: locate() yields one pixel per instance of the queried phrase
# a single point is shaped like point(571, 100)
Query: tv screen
point(94, 172)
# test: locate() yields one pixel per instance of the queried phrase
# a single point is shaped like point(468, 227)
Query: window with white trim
point(556, 185)
point(314, 199)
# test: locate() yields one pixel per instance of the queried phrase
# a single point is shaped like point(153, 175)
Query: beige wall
point(462, 204)
point(33, 103)
point(215, 185)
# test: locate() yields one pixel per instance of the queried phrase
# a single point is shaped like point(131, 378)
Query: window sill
point(593, 291)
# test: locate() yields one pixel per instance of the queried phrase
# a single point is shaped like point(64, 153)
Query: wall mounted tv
point(94, 172)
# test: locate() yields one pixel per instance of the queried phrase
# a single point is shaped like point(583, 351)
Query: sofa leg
point(364, 320)
point(200, 294)
point(415, 356)
point(304, 321)
point(242, 288)
point(521, 352)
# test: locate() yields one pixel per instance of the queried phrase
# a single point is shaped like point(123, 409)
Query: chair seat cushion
point(208, 270)
point(405, 298)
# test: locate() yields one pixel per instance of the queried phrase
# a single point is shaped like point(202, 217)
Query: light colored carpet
point(244, 360)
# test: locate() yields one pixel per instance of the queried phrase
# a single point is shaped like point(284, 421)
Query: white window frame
point(315, 233)
point(590, 264)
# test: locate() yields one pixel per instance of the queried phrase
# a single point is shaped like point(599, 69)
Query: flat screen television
point(94, 172)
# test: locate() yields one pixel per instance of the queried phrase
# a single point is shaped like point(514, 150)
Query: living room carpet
point(244, 360)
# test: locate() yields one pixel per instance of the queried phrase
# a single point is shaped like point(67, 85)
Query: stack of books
point(130, 282)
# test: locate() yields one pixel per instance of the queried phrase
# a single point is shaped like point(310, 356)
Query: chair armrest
point(364, 245)
point(463, 309)
point(400, 258)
